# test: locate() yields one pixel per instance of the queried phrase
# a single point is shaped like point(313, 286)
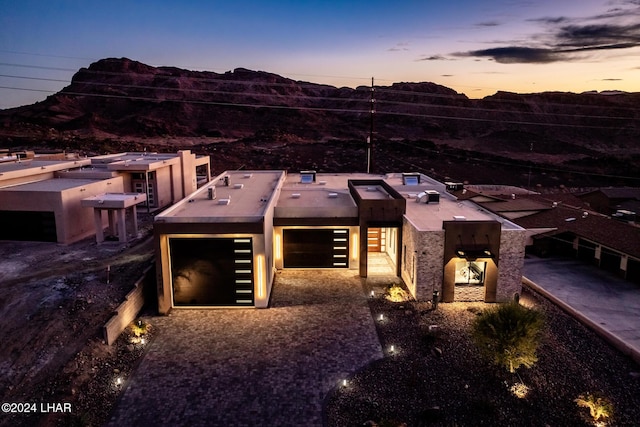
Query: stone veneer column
point(428, 248)
point(510, 263)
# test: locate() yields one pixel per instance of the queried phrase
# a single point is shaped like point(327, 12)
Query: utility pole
point(372, 111)
point(530, 154)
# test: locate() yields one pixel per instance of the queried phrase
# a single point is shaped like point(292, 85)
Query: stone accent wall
point(427, 248)
point(510, 263)
point(469, 293)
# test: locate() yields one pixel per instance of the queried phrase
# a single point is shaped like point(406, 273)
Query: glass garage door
point(212, 271)
point(316, 248)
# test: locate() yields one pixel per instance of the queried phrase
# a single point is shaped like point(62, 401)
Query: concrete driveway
point(248, 367)
point(611, 304)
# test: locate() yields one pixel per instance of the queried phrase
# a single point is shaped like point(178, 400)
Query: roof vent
point(372, 189)
point(247, 175)
point(322, 182)
point(333, 195)
point(224, 201)
point(238, 186)
point(459, 218)
point(295, 195)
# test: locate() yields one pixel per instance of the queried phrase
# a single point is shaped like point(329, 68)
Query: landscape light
point(344, 383)
point(143, 341)
point(373, 294)
point(381, 318)
point(392, 349)
point(118, 381)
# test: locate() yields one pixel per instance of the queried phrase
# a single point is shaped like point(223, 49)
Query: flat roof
point(32, 167)
point(372, 192)
point(328, 196)
point(430, 216)
point(244, 199)
point(52, 185)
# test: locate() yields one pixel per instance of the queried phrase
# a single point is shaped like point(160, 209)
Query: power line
point(325, 98)
point(284, 107)
point(457, 97)
point(514, 165)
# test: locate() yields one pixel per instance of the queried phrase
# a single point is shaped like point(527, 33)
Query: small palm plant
point(509, 335)
point(599, 407)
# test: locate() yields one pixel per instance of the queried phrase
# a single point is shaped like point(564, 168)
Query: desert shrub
point(599, 407)
point(509, 334)
point(396, 293)
point(139, 328)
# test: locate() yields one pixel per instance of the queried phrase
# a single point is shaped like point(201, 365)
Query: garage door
point(316, 248)
point(211, 271)
point(28, 226)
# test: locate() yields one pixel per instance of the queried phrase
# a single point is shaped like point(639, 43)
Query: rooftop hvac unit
point(454, 186)
point(429, 196)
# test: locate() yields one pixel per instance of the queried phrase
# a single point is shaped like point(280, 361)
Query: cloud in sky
point(569, 39)
point(399, 47)
point(432, 58)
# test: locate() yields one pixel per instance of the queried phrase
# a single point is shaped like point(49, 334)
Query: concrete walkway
point(608, 304)
point(250, 367)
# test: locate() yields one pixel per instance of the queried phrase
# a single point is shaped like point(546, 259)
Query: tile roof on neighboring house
point(618, 192)
point(617, 235)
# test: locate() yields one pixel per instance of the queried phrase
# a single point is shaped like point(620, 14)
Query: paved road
point(249, 367)
point(610, 303)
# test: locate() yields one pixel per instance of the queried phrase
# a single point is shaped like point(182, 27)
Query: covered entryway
point(211, 271)
point(382, 253)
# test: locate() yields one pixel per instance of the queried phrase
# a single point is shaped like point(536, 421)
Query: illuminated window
point(470, 273)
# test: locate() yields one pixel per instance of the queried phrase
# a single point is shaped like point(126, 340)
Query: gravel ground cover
point(435, 376)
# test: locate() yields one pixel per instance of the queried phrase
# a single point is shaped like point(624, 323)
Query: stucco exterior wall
point(510, 264)
point(164, 187)
point(74, 222)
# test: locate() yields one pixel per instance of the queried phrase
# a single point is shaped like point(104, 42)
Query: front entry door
point(374, 238)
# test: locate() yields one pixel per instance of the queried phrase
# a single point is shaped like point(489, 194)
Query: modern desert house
point(221, 245)
point(62, 199)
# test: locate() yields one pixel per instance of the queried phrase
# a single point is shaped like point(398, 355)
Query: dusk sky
point(473, 47)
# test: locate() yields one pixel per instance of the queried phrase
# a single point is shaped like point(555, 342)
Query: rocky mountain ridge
point(126, 98)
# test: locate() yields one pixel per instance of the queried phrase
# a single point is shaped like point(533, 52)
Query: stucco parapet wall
point(114, 200)
point(143, 163)
point(53, 185)
point(247, 198)
point(35, 167)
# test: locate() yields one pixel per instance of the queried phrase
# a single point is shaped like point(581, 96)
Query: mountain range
point(125, 100)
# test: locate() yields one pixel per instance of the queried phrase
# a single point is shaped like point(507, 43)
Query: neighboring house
point(41, 200)
point(222, 244)
point(610, 200)
point(563, 225)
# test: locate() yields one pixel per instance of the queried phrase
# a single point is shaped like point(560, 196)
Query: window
point(470, 273)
